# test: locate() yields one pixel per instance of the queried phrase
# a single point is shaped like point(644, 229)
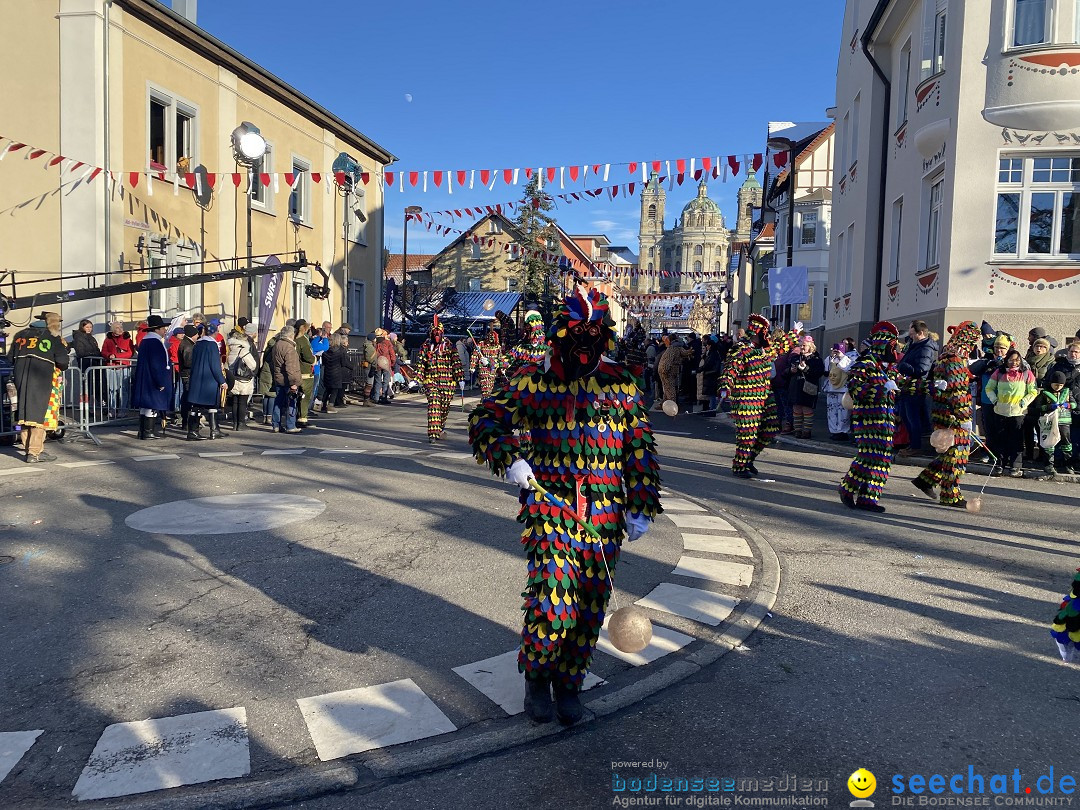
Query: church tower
point(750, 197)
point(650, 232)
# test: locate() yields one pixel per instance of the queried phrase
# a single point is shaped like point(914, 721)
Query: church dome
point(703, 205)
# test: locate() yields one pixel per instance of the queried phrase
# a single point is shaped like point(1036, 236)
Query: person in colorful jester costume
point(489, 360)
point(592, 447)
point(952, 409)
point(745, 383)
point(1065, 628)
point(872, 386)
point(439, 370)
point(531, 351)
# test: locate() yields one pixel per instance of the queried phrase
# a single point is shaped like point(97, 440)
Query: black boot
point(193, 421)
point(211, 417)
point(238, 413)
point(538, 700)
point(144, 428)
point(568, 706)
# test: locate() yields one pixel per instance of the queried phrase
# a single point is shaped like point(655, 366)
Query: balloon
point(489, 304)
point(629, 629)
point(942, 439)
point(671, 408)
point(975, 504)
point(408, 96)
point(847, 402)
point(383, 363)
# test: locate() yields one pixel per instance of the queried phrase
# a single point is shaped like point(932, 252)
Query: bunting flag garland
point(418, 179)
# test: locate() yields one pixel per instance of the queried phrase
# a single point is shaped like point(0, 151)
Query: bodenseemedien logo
point(862, 785)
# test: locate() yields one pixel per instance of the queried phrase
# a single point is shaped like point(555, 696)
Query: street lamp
point(249, 147)
point(410, 211)
point(781, 144)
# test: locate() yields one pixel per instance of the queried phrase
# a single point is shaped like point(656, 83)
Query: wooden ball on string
point(629, 629)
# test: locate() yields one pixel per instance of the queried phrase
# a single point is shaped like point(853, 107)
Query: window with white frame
point(261, 193)
point(855, 110)
point(897, 234)
point(300, 195)
point(845, 146)
point(356, 215)
point(1038, 207)
point(299, 299)
point(511, 284)
point(841, 244)
point(903, 84)
point(172, 132)
point(475, 285)
point(849, 262)
point(493, 226)
point(808, 229)
point(935, 16)
point(933, 222)
point(1032, 22)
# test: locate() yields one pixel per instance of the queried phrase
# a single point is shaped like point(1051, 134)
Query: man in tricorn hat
point(39, 356)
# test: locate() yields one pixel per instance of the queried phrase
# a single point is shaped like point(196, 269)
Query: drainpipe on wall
point(106, 192)
point(884, 168)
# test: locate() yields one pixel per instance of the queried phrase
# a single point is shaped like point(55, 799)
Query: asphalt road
point(910, 643)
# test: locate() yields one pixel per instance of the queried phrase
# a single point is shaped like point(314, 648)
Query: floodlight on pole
point(248, 144)
point(249, 148)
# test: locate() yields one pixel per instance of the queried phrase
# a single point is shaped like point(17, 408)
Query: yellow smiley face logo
point(861, 783)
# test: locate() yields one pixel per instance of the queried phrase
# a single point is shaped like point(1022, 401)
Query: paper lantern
point(942, 439)
point(975, 504)
point(671, 408)
point(847, 401)
point(629, 629)
point(383, 363)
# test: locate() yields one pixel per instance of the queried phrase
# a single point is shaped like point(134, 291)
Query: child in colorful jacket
point(1011, 389)
point(1056, 397)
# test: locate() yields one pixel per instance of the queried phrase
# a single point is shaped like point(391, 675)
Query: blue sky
point(502, 85)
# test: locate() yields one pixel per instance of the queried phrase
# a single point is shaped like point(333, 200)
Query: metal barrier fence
point(98, 395)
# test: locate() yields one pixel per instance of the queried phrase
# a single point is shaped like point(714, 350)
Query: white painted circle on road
point(225, 514)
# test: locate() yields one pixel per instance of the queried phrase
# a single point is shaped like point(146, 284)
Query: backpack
point(240, 370)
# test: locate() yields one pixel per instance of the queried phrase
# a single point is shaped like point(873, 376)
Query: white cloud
point(604, 224)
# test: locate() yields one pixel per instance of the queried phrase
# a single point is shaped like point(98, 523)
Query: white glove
point(968, 426)
point(636, 525)
point(797, 327)
point(892, 386)
point(519, 473)
point(461, 384)
point(940, 385)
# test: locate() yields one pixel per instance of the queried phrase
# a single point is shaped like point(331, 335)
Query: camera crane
point(15, 301)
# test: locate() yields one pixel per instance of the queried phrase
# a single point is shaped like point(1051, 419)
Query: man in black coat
point(39, 356)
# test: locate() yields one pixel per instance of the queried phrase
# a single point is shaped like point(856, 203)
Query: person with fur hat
point(951, 409)
point(591, 446)
point(872, 384)
point(488, 360)
point(39, 356)
point(745, 383)
point(439, 370)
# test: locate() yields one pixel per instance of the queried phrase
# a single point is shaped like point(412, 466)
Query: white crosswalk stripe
point(167, 752)
point(730, 573)
point(13, 744)
point(356, 720)
point(717, 544)
point(690, 603)
point(498, 679)
point(664, 641)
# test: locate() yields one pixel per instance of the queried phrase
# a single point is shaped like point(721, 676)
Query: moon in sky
point(408, 96)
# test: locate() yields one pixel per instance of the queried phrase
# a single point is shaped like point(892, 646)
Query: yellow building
point(158, 95)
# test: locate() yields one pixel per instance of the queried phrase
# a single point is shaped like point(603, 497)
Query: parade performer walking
point(952, 409)
point(745, 383)
point(592, 447)
point(39, 356)
point(439, 370)
point(488, 359)
point(1065, 628)
point(531, 351)
point(872, 386)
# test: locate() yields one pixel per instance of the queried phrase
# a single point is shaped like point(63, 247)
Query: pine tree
point(537, 228)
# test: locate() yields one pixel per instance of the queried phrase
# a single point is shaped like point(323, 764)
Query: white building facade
point(956, 190)
point(812, 231)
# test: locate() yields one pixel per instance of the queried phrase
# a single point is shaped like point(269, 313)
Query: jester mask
point(581, 332)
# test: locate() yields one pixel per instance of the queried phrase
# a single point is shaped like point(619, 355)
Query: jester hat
point(758, 325)
point(964, 338)
point(883, 336)
point(583, 305)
